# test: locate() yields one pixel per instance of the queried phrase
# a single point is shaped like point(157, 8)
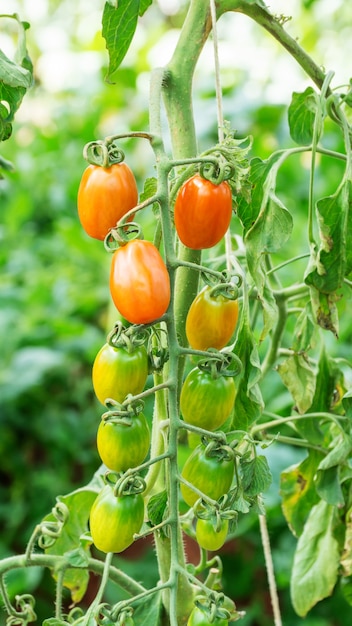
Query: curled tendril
point(121, 235)
point(50, 531)
point(116, 155)
point(217, 172)
point(119, 336)
point(158, 352)
point(218, 448)
point(25, 613)
point(122, 412)
point(221, 363)
point(123, 484)
point(102, 153)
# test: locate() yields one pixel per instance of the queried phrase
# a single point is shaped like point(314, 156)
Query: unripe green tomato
point(208, 537)
point(121, 445)
point(118, 372)
point(115, 519)
point(207, 401)
point(200, 618)
point(209, 474)
point(211, 320)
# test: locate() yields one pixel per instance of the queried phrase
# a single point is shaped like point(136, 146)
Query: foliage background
point(54, 301)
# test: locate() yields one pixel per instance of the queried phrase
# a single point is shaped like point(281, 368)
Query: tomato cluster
point(141, 291)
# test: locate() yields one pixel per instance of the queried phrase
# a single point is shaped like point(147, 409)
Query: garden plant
point(234, 296)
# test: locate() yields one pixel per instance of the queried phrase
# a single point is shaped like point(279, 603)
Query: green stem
point(56, 562)
point(273, 25)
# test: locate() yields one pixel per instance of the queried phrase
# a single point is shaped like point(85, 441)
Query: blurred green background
point(54, 298)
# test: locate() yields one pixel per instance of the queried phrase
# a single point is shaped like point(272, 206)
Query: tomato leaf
point(316, 560)
point(328, 265)
point(156, 507)
point(256, 475)
point(248, 402)
point(298, 492)
point(148, 610)
point(119, 25)
point(302, 113)
point(69, 542)
point(299, 378)
point(346, 558)
point(328, 486)
point(144, 5)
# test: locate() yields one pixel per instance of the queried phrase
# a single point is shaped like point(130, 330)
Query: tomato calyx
point(215, 513)
point(218, 448)
point(220, 364)
point(128, 338)
point(212, 607)
point(125, 484)
point(115, 616)
point(122, 234)
point(103, 153)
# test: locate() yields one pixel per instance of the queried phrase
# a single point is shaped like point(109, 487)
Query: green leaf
point(304, 332)
point(329, 487)
point(298, 492)
point(346, 557)
point(302, 112)
point(316, 560)
point(69, 542)
point(325, 310)
point(12, 74)
point(148, 610)
point(144, 5)
point(248, 402)
point(119, 25)
point(340, 451)
point(299, 378)
point(327, 268)
point(256, 475)
point(156, 507)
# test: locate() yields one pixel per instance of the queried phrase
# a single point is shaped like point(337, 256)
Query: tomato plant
point(118, 371)
point(139, 282)
point(211, 319)
point(105, 195)
point(114, 519)
point(202, 212)
point(210, 469)
point(123, 441)
point(207, 397)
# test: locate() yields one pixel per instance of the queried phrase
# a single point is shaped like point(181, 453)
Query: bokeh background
point(54, 299)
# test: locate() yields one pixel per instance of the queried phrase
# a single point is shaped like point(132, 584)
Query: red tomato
point(203, 212)
point(139, 282)
point(105, 194)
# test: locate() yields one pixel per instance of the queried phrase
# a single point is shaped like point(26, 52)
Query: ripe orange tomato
point(139, 282)
point(203, 212)
point(211, 320)
point(105, 194)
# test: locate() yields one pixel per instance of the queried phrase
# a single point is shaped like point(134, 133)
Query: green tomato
point(206, 400)
point(200, 618)
point(210, 474)
point(123, 444)
point(208, 537)
point(118, 371)
point(115, 519)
